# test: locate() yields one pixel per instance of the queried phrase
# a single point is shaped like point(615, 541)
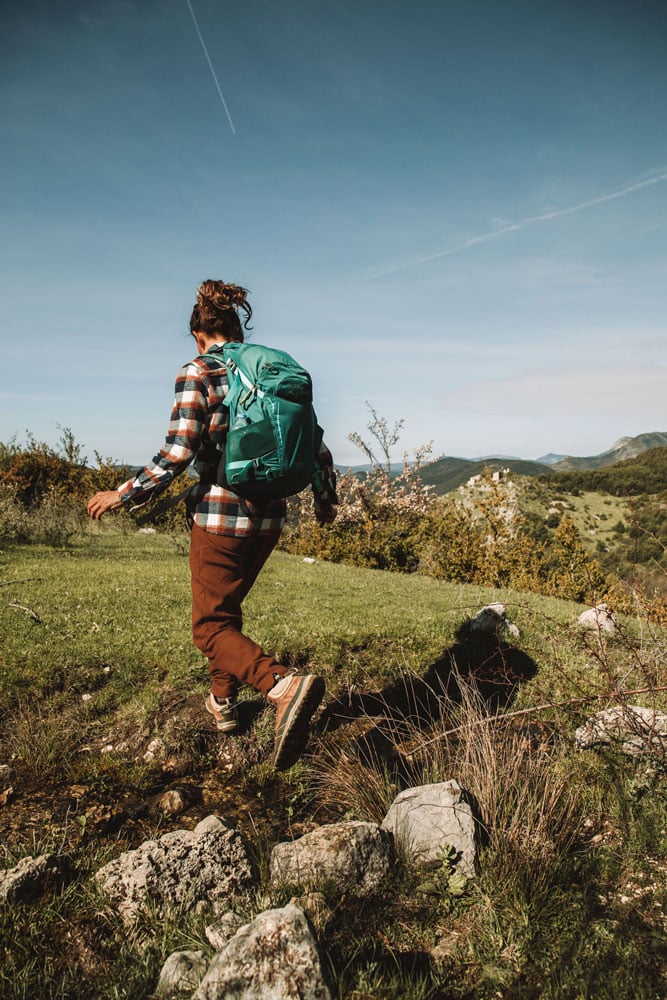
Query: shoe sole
point(222, 727)
point(291, 741)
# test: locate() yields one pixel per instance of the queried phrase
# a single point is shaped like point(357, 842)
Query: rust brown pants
point(223, 568)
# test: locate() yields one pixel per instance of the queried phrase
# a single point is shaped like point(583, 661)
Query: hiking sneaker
point(224, 713)
point(296, 698)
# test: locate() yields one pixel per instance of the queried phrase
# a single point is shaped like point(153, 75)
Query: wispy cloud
point(635, 392)
point(513, 227)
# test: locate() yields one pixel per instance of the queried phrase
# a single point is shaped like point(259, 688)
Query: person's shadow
point(481, 661)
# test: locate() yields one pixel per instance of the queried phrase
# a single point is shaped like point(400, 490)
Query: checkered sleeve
point(188, 421)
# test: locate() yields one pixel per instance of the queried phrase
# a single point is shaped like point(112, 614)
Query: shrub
point(379, 515)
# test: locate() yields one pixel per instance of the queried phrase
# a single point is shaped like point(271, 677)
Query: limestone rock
point(183, 868)
point(638, 730)
point(29, 878)
point(493, 619)
point(181, 974)
point(425, 818)
point(598, 619)
point(273, 958)
point(223, 930)
point(355, 857)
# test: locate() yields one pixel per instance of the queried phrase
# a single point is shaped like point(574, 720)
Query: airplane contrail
point(210, 66)
point(531, 220)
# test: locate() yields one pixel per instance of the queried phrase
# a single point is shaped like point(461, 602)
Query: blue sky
point(456, 211)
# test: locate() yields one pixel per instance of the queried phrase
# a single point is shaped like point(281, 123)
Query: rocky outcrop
point(355, 857)
point(635, 729)
point(424, 819)
point(273, 958)
point(180, 869)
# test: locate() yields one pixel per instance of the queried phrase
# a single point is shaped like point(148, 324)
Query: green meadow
point(96, 664)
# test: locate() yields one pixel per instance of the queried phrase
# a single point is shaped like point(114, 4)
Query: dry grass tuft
point(529, 806)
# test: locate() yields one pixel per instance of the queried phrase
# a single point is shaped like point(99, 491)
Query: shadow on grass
point(415, 703)
point(495, 667)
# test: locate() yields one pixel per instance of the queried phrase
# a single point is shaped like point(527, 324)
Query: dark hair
point(217, 310)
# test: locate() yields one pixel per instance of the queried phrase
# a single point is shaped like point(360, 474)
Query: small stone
point(223, 930)
point(637, 730)
point(179, 870)
point(154, 751)
point(355, 857)
point(493, 620)
point(181, 974)
point(425, 818)
point(172, 802)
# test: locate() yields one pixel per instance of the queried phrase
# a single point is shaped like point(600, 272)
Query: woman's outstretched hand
point(102, 502)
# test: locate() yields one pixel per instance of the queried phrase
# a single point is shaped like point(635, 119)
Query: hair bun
point(221, 308)
point(219, 295)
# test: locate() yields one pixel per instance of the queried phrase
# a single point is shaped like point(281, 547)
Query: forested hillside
point(645, 474)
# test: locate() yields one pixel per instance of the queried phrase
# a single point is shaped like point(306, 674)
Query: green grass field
point(96, 661)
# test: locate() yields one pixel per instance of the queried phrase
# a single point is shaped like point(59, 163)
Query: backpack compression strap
point(250, 386)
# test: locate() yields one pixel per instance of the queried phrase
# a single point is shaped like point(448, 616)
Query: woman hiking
point(231, 538)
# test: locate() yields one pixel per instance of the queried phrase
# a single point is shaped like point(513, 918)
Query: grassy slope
point(122, 603)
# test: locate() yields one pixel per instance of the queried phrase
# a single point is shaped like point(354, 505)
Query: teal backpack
point(273, 439)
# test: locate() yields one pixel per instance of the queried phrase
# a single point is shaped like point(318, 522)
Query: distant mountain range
point(449, 473)
point(625, 447)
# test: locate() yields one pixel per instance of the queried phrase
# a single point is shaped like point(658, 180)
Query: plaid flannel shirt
point(197, 420)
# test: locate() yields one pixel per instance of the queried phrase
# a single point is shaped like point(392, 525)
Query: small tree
point(379, 513)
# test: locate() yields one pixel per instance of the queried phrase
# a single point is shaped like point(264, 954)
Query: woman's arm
point(188, 420)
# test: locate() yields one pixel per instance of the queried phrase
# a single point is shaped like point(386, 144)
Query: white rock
point(598, 619)
point(425, 818)
point(273, 958)
point(354, 856)
point(493, 619)
point(29, 877)
point(179, 870)
point(155, 750)
point(181, 974)
point(223, 930)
